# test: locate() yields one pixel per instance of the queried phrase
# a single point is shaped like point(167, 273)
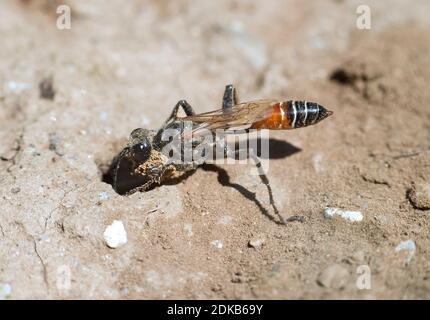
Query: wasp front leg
point(230, 97)
point(142, 188)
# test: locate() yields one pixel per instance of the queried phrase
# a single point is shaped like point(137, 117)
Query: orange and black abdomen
point(292, 114)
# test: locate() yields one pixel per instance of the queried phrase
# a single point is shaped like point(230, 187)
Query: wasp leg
point(188, 109)
point(230, 97)
point(265, 180)
point(251, 155)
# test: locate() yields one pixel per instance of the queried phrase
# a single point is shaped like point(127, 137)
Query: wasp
point(142, 164)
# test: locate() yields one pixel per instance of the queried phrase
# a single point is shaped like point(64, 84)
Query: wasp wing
point(240, 116)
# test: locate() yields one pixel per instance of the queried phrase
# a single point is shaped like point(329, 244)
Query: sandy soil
point(70, 98)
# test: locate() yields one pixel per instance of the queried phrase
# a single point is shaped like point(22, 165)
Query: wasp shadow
point(224, 180)
point(278, 149)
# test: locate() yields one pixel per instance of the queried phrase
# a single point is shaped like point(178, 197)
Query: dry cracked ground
point(69, 99)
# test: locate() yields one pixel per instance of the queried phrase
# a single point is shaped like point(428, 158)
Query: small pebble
point(256, 243)
point(125, 291)
point(354, 216)
point(334, 276)
point(188, 227)
point(419, 196)
point(408, 245)
point(5, 290)
point(358, 256)
point(217, 244)
point(15, 189)
point(55, 144)
point(225, 220)
point(115, 235)
point(103, 195)
point(46, 89)
point(103, 115)
point(18, 86)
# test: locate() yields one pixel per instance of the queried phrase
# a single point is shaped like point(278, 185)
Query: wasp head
point(137, 152)
point(140, 144)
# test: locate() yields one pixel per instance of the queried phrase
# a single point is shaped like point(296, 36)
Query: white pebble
point(188, 227)
point(115, 234)
point(217, 244)
point(18, 86)
point(408, 245)
point(225, 220)
point(103, 195)
point(103, 115)
point(330, 213)
point(256, 243)
point(5, 290)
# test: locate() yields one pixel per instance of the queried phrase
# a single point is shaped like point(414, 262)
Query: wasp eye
point(141, 150)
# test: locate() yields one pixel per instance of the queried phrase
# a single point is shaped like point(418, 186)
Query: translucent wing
point(240, 116)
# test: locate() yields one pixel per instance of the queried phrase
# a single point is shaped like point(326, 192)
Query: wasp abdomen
point(292, 114)
point(303, 113)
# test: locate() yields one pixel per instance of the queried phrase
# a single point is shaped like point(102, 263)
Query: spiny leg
point(188, 109)
point(230, 97)
point(265, 180)
point(236, 155)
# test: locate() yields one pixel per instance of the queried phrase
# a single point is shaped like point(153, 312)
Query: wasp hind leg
point(251, 155)
point(188, 109)
point(230, 97)
point(266, 182)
